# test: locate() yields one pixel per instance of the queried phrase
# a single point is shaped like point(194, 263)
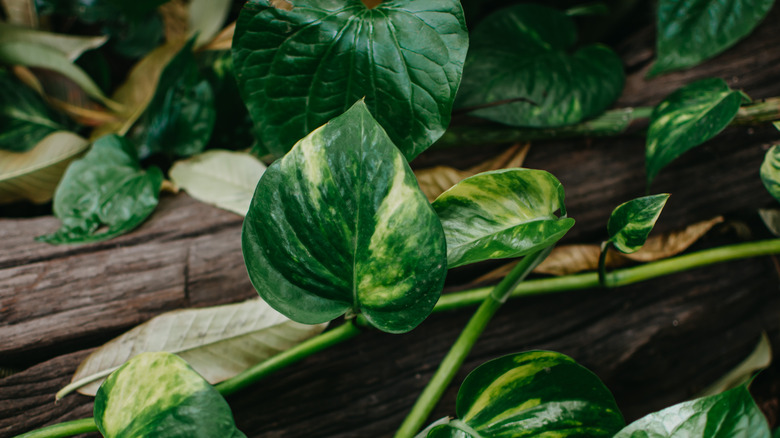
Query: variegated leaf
point(687, 118)
point(500, 214)
point(770, 171)
point(339, 224)
point(631, 222)
point(532, 394)
point(159, 395)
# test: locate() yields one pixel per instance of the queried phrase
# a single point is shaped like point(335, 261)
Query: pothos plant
point(338, 225)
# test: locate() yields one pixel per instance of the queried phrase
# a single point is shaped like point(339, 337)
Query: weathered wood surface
point(654, 344)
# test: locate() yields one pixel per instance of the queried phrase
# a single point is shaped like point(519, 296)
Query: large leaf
point(532, 394)
point(770, 171)
point(218, 342)
point(24, 117)
point(732, 414)
point(687, 118)
point(522, 59)
point(339, 224)
point(34, 175)
point(298, 68)
point(631, 222)
point(159, 395)
point(222, 178)
point(104, 194)
point(500, 214)
point(692, 31)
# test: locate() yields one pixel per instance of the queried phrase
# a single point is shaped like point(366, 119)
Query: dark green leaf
point(521, 59)
point(158, 395)
point(732, 414)
point(339, 224)
point(135, 7)
point(105, 189)
point(24, 117)
point(500, 214)
point(134, 37)
point(692, 31)
point(533, 394)
point(770, 171)
point(631, 222)
point(687, 118)
point(296, 69)
point(180, 118)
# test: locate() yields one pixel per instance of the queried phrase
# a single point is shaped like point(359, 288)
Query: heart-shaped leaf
point(298, 67)
point(521, 58)
point(159, 395)
point(533, 394)
point(732, 414)
point(500, 214)
point(339, 224)
point(770, 171)
point(687, 118)
point(631, 222)
point(106, 187)
point(692, 31)
point(24, 117)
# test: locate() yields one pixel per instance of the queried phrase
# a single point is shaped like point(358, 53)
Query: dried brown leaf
point(21, 12)
point(176, 20)
point(673, 243)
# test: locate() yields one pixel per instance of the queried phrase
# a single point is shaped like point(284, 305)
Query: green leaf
point(693, 31)
point(533, 394)
point(24, 117)
point(180, 117)
point(770, 171)
point(631, 222)
point(209, 339)
point(500, 214)
point(105, 189)
point(687, 118)
point(296, 69)
point(68, 45)
point(159, 395)
point(522, 58)
point(732, 414)
point(339, 224)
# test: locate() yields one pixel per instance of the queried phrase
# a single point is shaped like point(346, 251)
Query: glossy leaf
point(693, 31)
point(180, 117)
point(533, 394)
point(339, 224)
point(298, 68)
point(24, 117)
point(222, 178)
point(770, 171)
point(105, 189)
point(687, 118)
point(631, 222)
point(732, 414)
point(34, 175)
point(522, 59)
point(218, 342)
point(500, 214)
point(159, 395)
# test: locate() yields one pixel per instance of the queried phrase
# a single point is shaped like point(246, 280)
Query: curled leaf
point(759, 359)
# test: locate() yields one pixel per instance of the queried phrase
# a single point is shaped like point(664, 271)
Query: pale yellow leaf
point(759, 359)
point(218, 342)
point(223, 40)
point(70, 46)
point(34, 175)
point(206, 18)
point(223, 178)
point(771, 218)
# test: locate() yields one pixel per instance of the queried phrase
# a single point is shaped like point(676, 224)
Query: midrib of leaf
point(392, 30)
point(698, 114)
point(355, 300)
point(526, 222)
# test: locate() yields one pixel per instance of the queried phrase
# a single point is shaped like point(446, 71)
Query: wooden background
point(654, 344)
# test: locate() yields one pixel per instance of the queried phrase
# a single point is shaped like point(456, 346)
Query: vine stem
point(452, 362)
point(602, 270)
point(459, 300)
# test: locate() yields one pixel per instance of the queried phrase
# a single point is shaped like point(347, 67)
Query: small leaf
point(534, 394)
point(69, 46)
point(159, 395)
point(731, 414)
point(687, 118)
point(759, 359)
point(339, 224)
point(771, 218)
point(770, 171)
point(34, 175)
point(105, 188)
point(501, 214)
point(222, 178)
point(522, 59)
point(24, 117)
point(218, 342)
point(206, 18)
point(693, 31)
point(631, 222)
point(298, 68)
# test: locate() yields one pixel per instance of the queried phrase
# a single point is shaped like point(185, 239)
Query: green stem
point(603, 264)
point(69, 428)
point(465, 342)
